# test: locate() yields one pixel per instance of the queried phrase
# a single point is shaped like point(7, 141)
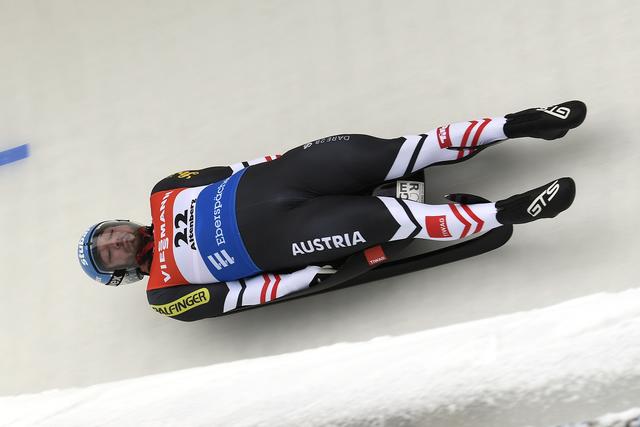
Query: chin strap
point(146, 249)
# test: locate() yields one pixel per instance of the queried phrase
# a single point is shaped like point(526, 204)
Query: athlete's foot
point(546, 123)
point(542, 202)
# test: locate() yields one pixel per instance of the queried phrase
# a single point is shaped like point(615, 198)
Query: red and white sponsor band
point(420, 151)
point(440, 222)
point(267, 287)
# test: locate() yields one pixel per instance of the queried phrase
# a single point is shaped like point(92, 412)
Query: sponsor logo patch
point(410, 190)
point(222, 259)
point(443, 137)
point(115, 280)
point(375, 255)
point(81, 249)
point(186, 174)
point(191, 236)
point(217, 217)
point(556, 111)
point(163, 242)
point(329, 242)
point(437, 226)
point(336, 138)
point(184, 304)
point(539, 202)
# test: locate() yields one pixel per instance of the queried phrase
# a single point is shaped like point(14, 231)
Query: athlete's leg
point(275, 203)
point(349, 164)
point(327, 228)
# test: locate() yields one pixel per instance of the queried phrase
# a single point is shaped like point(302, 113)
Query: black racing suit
point(314, 205)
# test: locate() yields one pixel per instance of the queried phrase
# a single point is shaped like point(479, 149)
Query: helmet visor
point(114, 245)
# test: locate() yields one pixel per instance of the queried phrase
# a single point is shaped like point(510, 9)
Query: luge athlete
point(227, 237)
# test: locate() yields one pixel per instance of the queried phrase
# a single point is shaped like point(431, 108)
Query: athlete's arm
point(193, 178)
point(195, 302)
point(199, 177)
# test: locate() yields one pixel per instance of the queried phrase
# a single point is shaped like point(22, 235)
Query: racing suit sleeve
point(199, 177)
point(195, 302)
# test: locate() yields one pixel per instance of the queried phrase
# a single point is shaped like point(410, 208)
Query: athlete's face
point(118, 245)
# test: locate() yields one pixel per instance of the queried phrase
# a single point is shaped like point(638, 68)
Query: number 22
point(182, 234)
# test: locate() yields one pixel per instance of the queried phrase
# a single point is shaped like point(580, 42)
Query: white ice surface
point(628, 418)
point(479, 372)
point(617, 419)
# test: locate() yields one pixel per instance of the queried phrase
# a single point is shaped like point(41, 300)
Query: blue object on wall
point(14, 154)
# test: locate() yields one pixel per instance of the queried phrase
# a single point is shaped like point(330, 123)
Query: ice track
point(538, 367)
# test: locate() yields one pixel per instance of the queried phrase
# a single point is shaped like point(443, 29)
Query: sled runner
point(393, 258)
